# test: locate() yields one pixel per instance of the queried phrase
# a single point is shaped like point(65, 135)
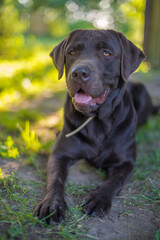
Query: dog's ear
point(131, 56)
point(58, 57)
point(58, 53)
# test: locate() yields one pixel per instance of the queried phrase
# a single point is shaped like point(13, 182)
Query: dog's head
point(96, 63)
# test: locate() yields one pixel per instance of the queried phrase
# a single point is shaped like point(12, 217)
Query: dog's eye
point(106, 53)
point(72, 52)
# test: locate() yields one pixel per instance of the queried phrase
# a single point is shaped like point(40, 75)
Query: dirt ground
point(126, 221)
point(123, 222)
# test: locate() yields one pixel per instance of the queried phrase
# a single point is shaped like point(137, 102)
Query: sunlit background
point(30, 29)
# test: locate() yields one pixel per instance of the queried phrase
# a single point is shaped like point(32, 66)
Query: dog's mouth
point(83, 98)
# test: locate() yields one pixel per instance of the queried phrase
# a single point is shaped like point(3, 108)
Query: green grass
point(78, 190)
point(17, 201)
point(149, 132)
point(18, 198)
point(148, 152)
point(145, 192)
point(145, 189)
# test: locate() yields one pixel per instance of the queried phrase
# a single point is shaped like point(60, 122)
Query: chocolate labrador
point(101, 115)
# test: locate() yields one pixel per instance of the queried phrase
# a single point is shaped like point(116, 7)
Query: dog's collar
point(79, 128)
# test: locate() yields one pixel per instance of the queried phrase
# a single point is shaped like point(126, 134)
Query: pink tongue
point(82, 98)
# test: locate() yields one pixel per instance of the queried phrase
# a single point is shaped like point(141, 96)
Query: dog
point(102, 112)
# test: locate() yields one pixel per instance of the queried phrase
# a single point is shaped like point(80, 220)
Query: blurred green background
point(29, 30)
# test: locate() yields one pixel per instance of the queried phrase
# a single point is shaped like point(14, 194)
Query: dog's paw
point(51, 209)
point(96, 204)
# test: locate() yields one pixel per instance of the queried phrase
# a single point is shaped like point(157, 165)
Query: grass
point(145, 187)
point(18, 199)
point(148, 149)
point(146, 193)
point(16, 207)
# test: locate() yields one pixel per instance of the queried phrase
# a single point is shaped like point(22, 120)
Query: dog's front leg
point(99, 201)
point(54, 203)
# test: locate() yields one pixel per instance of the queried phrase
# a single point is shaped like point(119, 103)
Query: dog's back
point(142, 102)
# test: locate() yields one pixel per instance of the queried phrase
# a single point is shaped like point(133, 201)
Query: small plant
point(31, 144)
point(7, 150)
point(1, 174)
point(30, 139)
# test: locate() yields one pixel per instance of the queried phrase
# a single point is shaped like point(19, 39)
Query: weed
point(30, 139)
point(30, 142)
point(8, 150)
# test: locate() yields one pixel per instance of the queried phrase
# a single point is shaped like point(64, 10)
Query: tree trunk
point(151, 42)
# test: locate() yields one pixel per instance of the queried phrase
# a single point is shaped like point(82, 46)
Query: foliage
point(132, 21)
point(30, 139)
point(11, 29)
point(58, 18)
point(8, 150)
point(27, 81)
point(30, 145)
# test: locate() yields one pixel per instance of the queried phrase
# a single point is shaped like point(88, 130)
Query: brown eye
point(106, 53)
point(72, 52)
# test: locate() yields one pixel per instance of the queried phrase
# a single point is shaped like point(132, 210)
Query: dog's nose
point(81, 73)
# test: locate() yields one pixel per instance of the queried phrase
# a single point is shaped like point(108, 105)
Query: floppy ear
point(58, 57)
point(58, 53)
point(131, 56)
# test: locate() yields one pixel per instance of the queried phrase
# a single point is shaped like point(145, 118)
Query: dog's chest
point(97, 137)
point(98, 131)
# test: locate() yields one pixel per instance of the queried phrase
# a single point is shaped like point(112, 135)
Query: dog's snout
point(81, 73)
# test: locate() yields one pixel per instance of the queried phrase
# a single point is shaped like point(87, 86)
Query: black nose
point(81, 73)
